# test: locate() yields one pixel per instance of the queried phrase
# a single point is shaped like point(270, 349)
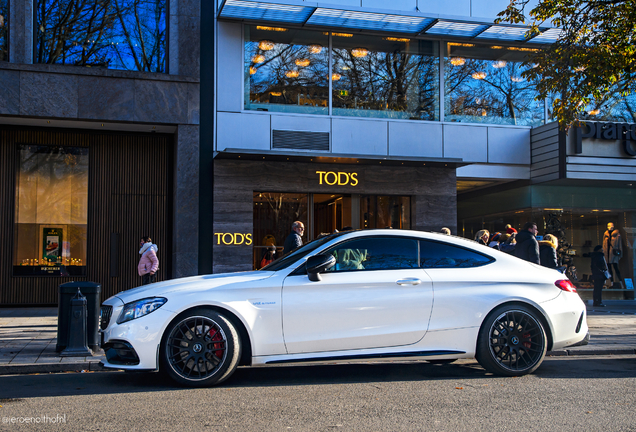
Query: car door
point(375, 296)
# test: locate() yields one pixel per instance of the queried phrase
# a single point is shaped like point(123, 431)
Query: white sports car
point(351, 295)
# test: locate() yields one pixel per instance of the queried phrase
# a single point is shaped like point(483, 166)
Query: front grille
point(104, 316)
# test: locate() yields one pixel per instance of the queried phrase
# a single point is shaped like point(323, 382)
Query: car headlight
point(139, 308)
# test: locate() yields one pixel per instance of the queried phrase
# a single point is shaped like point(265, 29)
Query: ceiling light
point(314, 48)
point(458, 61)
point(517, 79)
point(252, 70)
point(499, 64)
point(479, 75)
point(266, 45)
point(276, 29)
point(345, 68)
point(259, 58)
point(359, 52)
point(348, 35)
point(594, 112)
point(292, 74)
point(394, 39)
point(336, 77)
point(302, 62)
point(276, 93)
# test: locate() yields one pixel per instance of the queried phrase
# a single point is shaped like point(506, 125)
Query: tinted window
point(296, 254)
point(379, 253)
point(444, 255)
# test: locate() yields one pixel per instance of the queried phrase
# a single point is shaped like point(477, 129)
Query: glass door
point(331, 212)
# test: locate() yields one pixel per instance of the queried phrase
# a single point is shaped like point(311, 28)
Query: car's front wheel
point(512, 341)
point(200, 348)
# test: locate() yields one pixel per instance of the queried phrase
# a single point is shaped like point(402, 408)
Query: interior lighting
point(302, 62)
point(394, 39)
point(252, 70)
point(594, 112)
point(336, 77)
point(496, 47)
point(347, 35)
point(276, 29)
point(292, 74)
point(517, 79)
point(458, 61)
point(266, 45)
point(259, 58)
point(345, 68)
point(479, 75)
point(359, 52)
point(276, 93)
point(499, 64)
point(314, 48)
point(523, 49)
point(460, 44)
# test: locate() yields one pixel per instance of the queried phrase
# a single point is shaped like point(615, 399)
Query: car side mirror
point(317, 264)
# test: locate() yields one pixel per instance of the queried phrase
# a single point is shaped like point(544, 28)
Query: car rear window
point(443, 255)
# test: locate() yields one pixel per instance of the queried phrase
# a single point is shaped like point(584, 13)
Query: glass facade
point(614, 108)
point(286, 70)
point(385, 77)
point(4, 34)
point(483, 84)
point(51, 211)
point(290, 70)
point(120, 34)
point(377, 211)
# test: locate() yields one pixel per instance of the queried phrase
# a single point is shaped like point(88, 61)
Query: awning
point(317, 15)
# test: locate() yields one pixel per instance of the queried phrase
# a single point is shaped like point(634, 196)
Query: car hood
point(194, 283)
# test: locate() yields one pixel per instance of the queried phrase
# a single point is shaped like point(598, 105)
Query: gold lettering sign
point(233, 239)
point(340, 178)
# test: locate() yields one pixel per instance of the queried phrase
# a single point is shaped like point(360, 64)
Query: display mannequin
point(613, 250)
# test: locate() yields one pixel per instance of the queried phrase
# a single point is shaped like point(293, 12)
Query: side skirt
point(369, 356)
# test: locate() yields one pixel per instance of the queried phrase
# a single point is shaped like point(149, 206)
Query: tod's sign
point(624, 132)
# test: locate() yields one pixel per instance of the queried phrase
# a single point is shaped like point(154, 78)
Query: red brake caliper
point(216, 336)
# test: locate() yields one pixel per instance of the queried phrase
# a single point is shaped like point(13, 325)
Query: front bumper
point(133, 345)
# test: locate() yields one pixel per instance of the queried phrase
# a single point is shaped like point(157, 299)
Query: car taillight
point(565, 285)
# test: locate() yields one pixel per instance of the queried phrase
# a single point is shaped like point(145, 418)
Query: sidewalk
point(28, 337)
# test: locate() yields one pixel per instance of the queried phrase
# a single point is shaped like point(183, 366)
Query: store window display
point(51, 211)
point(613, 251)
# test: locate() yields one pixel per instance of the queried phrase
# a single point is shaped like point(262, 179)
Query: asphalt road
point(566, 393)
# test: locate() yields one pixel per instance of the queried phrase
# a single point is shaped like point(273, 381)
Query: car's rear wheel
point(512, 341)
point(200, 348)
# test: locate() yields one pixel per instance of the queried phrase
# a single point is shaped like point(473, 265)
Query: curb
point(96, 366)
point(93, 366)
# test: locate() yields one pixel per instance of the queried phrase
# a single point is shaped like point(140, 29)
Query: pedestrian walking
point(294, 240)
point(547, 251)
point(599, 275)
point(148, 262)
point(527, 247)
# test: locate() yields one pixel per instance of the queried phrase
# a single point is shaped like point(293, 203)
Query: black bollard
point(77, 329)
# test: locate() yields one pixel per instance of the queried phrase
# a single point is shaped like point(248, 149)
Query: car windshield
point(295, 255)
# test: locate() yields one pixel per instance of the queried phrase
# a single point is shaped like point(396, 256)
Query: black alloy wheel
point(512, 341)
point(200, 348)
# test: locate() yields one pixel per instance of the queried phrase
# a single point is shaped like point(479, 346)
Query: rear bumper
point(568, 320)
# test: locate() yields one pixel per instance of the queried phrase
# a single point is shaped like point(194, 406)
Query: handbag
point(616, 252)
point(607, 274)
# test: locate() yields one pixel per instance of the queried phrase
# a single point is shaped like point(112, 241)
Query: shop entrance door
point(331, 212)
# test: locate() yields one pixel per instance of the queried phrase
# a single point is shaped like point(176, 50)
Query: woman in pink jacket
point(148, 263)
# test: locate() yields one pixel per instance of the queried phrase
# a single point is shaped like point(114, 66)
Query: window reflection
point(4, 25)
point(286, 70)
point(117, 34)
point(483, 84)
point(614, 107)
point(382, 211)
point(385, 77)
point(51, 211)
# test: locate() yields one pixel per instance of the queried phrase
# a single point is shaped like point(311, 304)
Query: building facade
point(99, 130)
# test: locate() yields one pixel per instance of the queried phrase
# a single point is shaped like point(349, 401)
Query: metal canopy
point(305, 13)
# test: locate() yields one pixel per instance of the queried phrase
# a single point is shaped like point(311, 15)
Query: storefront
point(76, 204)
point(581, 182)
point(256, 202)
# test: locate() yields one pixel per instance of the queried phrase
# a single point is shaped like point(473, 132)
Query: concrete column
point(185, 244)
point(21, 31)
point(183, 45)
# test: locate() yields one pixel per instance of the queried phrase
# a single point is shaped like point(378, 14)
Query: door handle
point(409, 281)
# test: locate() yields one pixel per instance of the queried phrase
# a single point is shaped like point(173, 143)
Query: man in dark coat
point(527, 247)
point(599, 267)
point(294, 239)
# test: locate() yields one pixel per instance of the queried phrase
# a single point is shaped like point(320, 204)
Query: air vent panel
point(300, 140)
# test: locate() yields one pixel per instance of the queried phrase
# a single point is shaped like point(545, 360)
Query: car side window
point(377, 253)
point(443, 255)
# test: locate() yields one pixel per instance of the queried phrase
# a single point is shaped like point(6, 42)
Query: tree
point(593, 58)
